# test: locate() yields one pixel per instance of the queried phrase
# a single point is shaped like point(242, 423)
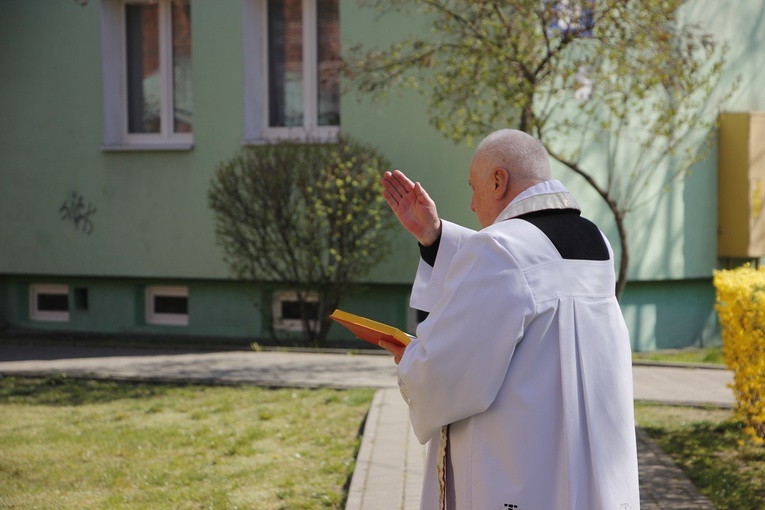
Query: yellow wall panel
point(741, 185)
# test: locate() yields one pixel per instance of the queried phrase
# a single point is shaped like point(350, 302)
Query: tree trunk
point(621, 227)
point(624, 260)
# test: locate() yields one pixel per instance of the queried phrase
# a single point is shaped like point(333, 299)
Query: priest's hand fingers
point(399, 182)
point(394, 349)
point(398, 190)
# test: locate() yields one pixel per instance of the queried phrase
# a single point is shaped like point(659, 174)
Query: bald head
point(519, 153)
point(506, 163)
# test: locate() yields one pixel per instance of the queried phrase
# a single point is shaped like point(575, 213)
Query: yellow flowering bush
point(741, 309)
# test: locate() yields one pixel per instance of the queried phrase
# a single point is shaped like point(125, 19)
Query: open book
point(369, 330)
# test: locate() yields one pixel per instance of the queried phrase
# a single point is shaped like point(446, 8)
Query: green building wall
point(224, 312)
point(151, 224)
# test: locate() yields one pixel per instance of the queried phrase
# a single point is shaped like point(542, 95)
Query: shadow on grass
point(730, 473)
point(60, 390)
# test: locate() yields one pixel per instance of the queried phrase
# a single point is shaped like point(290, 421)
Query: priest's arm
point(478, 302)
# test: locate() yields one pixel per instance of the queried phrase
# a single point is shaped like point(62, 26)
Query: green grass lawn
point(712, 355)
point(710, 447)
point(76, 444)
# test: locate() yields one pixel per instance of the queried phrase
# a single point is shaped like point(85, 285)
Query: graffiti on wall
point(75, 211)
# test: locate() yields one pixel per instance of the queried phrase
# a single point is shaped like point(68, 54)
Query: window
point(292, 83)
point(167, 306)
point(81, 298)
point(49, 303)
point(147, 74)
point(287, 310)
point(572, 17)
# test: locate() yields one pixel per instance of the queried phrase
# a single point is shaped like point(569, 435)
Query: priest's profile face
point(483, 203)
point(492, 190)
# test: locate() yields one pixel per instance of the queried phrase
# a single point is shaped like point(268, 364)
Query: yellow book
point(369, 330)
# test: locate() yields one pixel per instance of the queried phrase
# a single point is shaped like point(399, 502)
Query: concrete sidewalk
point(390, 462)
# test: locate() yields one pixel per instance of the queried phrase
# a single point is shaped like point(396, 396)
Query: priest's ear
point(501, 182)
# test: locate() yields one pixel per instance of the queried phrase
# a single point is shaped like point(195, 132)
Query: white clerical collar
point(545, 195)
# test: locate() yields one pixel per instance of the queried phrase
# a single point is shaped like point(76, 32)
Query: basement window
point(287, 311)
point(168, 306)
point(80, 298)
point(49, 303)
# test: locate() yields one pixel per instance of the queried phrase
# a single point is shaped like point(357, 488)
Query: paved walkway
point(390, 462)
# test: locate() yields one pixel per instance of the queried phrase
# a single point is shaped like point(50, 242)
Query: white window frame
point(165, 319)
point(114, 65)
point(256, 114)
point(283, 324)
point(46, 315)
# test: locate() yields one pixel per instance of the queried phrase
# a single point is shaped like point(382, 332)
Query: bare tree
point(625, 78)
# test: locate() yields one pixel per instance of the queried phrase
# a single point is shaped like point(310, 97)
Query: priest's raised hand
point(413, 207)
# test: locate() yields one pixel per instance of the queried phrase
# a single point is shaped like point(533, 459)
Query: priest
point(520, 377)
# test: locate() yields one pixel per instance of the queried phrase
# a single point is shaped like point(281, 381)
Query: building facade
point(114, 115)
